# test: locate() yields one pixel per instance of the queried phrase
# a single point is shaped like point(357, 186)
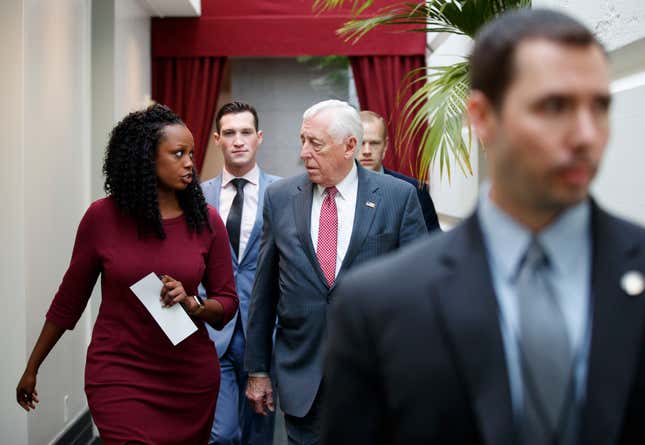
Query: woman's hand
point(26, 394)
point(173, 292)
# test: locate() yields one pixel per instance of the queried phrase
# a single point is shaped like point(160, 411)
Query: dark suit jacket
point(427, 206)
point(290, 283)
point(416, 354)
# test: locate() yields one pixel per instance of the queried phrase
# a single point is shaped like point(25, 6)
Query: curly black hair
point(130, 174)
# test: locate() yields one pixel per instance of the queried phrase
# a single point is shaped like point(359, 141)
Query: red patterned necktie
point(328, 236)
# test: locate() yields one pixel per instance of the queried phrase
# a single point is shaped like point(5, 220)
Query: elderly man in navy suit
point(371, 155)
point(317, 226)
point(238, 195)
point(525, 324)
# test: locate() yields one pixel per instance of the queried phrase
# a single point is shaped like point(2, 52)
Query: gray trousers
point(305, 430)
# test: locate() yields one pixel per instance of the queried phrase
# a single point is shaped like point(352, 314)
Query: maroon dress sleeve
point(84, 268)
point(218, 276)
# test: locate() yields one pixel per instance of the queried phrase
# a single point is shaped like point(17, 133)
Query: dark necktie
point(545, 348)
point(328, 236)
point(234, 220)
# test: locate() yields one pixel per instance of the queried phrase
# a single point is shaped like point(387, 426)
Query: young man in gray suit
point(316, 227)
point(524, 325)
point(238, 195)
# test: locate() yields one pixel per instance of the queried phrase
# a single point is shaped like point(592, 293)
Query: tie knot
point(331, 192)
point(535, 255)
point(239, 183)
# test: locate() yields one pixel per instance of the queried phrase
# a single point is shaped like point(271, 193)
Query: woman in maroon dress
point(140, 388)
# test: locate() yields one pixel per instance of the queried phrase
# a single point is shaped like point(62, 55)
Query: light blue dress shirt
point(567, 242)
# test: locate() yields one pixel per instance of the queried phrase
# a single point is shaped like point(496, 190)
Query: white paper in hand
point(173, 320)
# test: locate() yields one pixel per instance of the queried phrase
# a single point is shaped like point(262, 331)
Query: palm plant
point(436, 109)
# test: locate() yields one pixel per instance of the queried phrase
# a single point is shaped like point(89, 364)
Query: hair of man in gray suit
point(330, 134)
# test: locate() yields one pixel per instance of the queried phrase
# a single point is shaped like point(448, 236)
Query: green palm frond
point(436, 112)
point(453, 16)
point(420, 18)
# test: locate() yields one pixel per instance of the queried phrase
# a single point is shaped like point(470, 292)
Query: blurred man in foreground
point(524, 325)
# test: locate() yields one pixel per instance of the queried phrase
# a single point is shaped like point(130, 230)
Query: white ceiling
point(174, 8)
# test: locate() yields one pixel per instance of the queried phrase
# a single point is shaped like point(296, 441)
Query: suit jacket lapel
point(363, 216)
point(257, 226)
point(616, 329)
point(213, 193)
point(213, 197)
point(469, 306)
point(302, 215)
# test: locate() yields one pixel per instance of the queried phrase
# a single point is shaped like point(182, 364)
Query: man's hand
point(260, 394)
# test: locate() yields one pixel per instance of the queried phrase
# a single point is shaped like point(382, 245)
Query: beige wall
point(120, 71)
point(50, 174)
point(46, 192)
point(13, 421)
point(131, 57)
point(56, 138)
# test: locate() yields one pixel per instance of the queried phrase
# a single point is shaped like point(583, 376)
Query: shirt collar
point(252, 176)
point(345, 186)
point(562, 238)
point(507, 240)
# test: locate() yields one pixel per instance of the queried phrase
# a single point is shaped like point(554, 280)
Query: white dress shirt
point(346, 207)
point(249, 207)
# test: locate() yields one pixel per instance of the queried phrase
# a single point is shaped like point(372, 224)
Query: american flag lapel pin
point(370, 204)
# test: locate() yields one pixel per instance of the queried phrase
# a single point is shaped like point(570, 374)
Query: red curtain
point(190, 86)
point(276, 28)
point(379, 79)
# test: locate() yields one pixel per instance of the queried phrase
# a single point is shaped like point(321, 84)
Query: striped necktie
point(328, 236)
